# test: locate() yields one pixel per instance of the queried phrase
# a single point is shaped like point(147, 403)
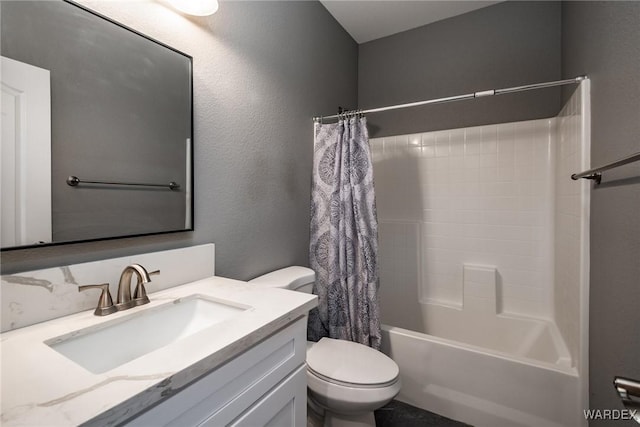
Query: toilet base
point(315, 414)
point(318, 416)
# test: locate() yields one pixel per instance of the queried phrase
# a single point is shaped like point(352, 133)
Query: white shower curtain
point(344, 235)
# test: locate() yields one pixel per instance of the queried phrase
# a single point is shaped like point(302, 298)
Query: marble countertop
point(42, 387)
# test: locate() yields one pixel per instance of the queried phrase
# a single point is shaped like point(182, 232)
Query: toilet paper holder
point(629, 392)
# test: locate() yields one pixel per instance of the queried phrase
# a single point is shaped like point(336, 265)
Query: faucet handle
point(140, 294)
point(105, 303)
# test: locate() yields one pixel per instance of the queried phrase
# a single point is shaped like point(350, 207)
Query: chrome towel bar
point(629, 392)
point(628, 389)
point(73, 181)
point(596, 173)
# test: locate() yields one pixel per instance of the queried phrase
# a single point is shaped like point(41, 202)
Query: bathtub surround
point(261, 71)
point(37, 296)
point(571, 225)
point(480, 195)
point(484, 263)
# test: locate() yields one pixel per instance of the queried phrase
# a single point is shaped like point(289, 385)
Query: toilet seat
point(349, 399)
point(350, 364)
point(348, 384)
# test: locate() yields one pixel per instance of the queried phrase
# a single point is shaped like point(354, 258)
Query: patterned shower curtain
point(344, 235)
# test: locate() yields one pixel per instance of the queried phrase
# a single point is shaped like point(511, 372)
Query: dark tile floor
point(399, 414)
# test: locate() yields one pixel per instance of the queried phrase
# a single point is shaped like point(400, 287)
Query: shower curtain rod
point(473, 95)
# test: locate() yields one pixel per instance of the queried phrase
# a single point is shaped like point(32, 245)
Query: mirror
point(84, 96)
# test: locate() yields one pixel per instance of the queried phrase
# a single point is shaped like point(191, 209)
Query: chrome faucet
point(140, 297)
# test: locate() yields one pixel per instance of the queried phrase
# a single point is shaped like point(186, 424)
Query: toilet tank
point(295, 278)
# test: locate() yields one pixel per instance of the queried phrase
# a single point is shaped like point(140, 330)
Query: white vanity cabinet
point(264, 386)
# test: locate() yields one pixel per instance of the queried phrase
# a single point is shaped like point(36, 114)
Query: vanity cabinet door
point(284, 405)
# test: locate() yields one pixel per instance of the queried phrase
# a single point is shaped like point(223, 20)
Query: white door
point(26, 154)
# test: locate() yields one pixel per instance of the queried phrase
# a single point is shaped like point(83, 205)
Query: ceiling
point(367, 20)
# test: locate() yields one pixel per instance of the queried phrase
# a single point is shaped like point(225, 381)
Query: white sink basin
point(113, 343)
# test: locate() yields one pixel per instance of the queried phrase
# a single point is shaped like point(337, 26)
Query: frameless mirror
point(86, 97)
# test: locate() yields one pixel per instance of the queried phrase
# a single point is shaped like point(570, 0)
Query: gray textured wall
point(504, 45)
point(261, 71)
point(602, 40)
point(120, 112)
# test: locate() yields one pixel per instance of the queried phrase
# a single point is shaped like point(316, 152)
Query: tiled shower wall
point(499, 196)
point(481, 195)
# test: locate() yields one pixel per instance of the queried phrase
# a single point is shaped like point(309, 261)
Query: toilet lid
point(350, 362)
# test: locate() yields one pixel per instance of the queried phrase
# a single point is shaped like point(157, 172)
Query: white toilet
point(346, 380)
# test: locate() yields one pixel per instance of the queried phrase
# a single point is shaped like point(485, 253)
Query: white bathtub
point(524, 337)
point(509, 371)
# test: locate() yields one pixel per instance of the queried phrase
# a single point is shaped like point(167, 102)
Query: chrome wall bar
point(596, 173)
point(627, 388)
point(629, 392)
point(473, 95)
point(73, 181)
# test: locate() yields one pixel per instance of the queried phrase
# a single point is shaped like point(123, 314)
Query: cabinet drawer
point(234, 386)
